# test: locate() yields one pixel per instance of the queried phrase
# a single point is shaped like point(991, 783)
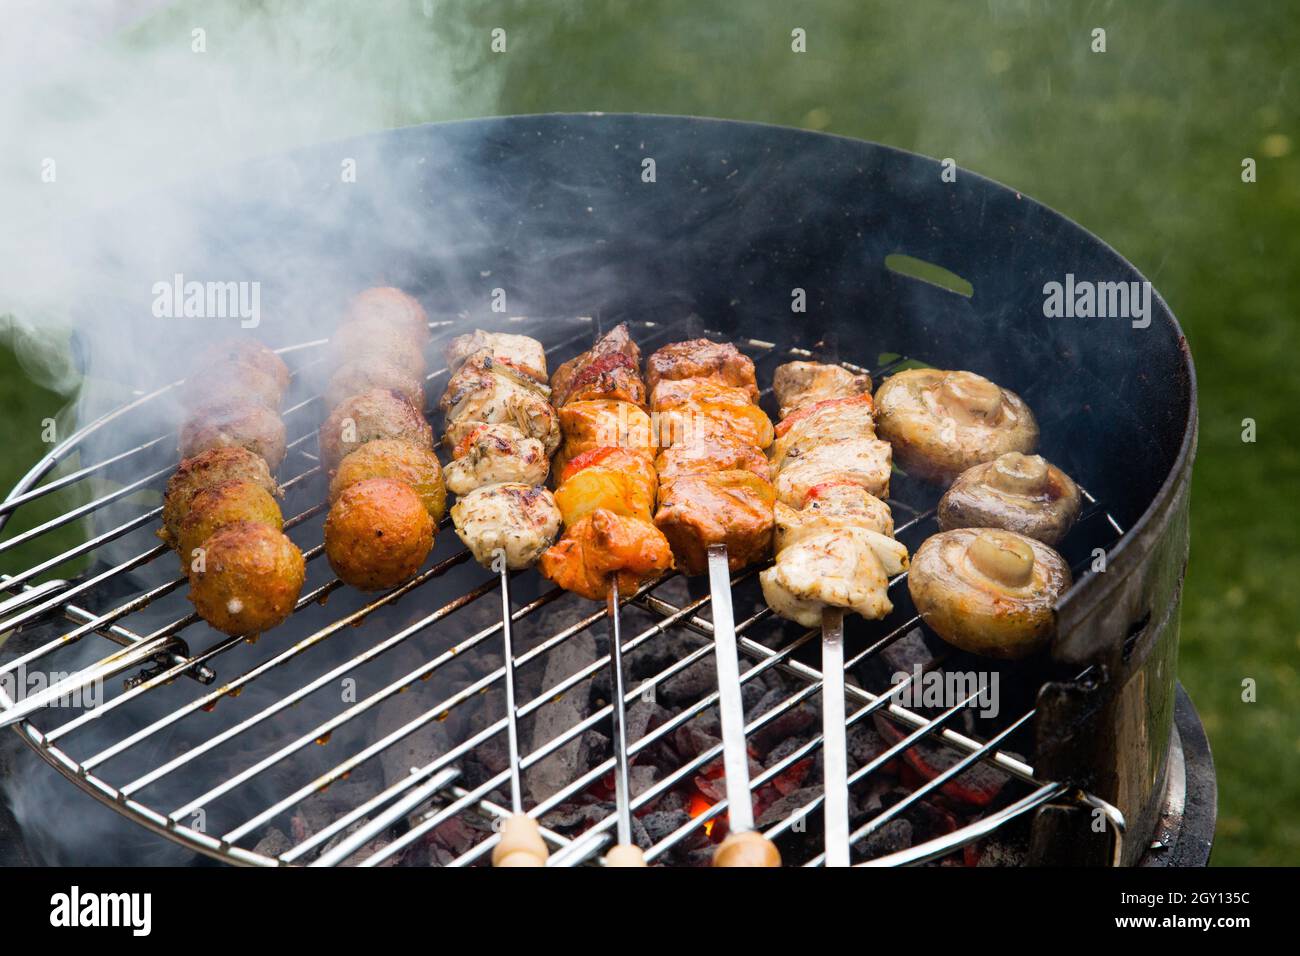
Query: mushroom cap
point(1022, 493)
point(940, 422)
point(988, 591)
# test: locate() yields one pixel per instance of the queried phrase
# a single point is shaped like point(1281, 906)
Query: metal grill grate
point(278, 768)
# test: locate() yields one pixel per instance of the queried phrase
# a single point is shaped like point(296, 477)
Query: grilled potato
point(395, 458)
point(249, 579)
point(219, 505)
point(377, 534)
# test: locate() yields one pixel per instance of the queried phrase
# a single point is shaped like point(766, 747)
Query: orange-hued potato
point(603, 543)
point(222, 504)
point(394, 458)
point(377, 534)
point(249, 579)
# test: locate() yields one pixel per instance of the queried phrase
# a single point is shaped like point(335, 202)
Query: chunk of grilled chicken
point(711, 453)
point(616, 341)
point(864, 462)
point(522, 520)
point(694, 408)
point(491, 454)
point(811, 425)
point(842, 567)
point(849, 506)
point(733, 508)
point(797, 384)
point(517, 351)
point(601, 544)
point(719, 362)
point(487, 392)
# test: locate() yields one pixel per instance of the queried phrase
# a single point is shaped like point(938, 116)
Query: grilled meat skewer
point(606, 471)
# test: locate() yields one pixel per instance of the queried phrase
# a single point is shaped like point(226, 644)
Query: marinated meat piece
point(621, 459)
point(605, 424)
point(623, 483)
point(395, 458)
point(864, 462)
point(601, 544)
point(692, 409)
point(516, 351)
point(838, 568)
point(239, 424)
point(726, 507)
point(797, 384)
point(377, 534)
point(719, 362)
point(378, 413)
point(614, 376)
point(872, 514)
point(615, 341)
point(487, 392)
point(242, 351)
point(491, 454)
point(212, 467)
point(825, 421)
point(229, 382)
point(520, 519)
point(711, 453)
point(249, 579)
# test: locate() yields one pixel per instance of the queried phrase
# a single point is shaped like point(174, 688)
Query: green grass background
point(1142, 144)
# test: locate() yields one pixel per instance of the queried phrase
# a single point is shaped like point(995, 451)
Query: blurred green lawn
point(1142, 144)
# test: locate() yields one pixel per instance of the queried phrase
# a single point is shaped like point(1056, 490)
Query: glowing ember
point(698, 806)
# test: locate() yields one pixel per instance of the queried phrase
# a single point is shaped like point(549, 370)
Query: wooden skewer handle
point(521, 843)
point(625, 854)
point(749, 848)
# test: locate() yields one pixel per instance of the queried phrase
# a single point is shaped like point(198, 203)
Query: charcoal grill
point(558, 209)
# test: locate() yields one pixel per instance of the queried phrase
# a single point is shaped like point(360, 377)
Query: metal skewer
point(521, 841)
point(744, 846)
point(626, 852)
point(835, 751)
